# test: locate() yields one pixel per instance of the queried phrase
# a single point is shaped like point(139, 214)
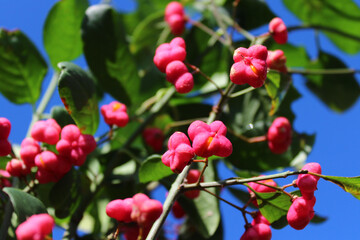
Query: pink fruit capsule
point(29, 149)
point(115, 113)
point(278, 30)
point(180, 152)
point(17, 168)
point(5, 127)
point(184, 83)
point(47, 131)
point(36, 227)
point(279, 135)
point(120, 209)
point(5, 147)
point(209, 140)
point(250, 66)
point(276, 60)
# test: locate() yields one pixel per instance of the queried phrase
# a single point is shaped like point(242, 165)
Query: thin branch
point(197, 70)
point(224, 200)
point(221, 24)
point(242, 92)
point(207, 30)
point(181, 123)
point(238, 181)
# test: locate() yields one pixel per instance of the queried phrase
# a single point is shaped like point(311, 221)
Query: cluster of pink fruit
point(251, 64)
point(36, 227)
point(175, 17)
point(135, 215)
point(258, 230)
point(73, 148)
point(207, 140)
point(301, 211)
point(115, 113)
point(169, 59)
point(279, 135)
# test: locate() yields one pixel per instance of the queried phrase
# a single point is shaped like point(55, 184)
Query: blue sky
point(337, 146)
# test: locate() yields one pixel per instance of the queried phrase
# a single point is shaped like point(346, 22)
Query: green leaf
point(338, 91)
point(77, 92)
point(295, 56)
point(349, 184)
point(207, 206)
point(342, 16)
point(24, 204)
point(147, 32)
point(253, 13)
point(273, 205)
point(22, 68)
point(276, 85)
point(61, 33)
point(61, 116)
point(153, 169)
point(107, 54)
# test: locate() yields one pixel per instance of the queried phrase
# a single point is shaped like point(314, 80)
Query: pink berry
point(179, 42)
point(115, 114)
point(180, 152)
point(29, 149)
point(279, 135)
point(154, 138)
point(49, 161)
point(36, 227)
point(46, 131)
point(120, 209)
point(5, 147)
point(150, 210)
point(209, 140)
point(175, 17)
point(260, 219)
point(173, 8)
point(177, 24)
point(312, 167)
point(278, 30)
point(4, 182)
point(184, 83)
point(276, 60)
point(193, 177)
point(5, 127)
point(177, 210)
point(263, 231)
point(174, 70)
point(250, 66)
point(307, 183)
point(138, 200)
point(300, 213)
point(250, 234)
point(17, 168)
point(168, 52)
point(74, 145)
